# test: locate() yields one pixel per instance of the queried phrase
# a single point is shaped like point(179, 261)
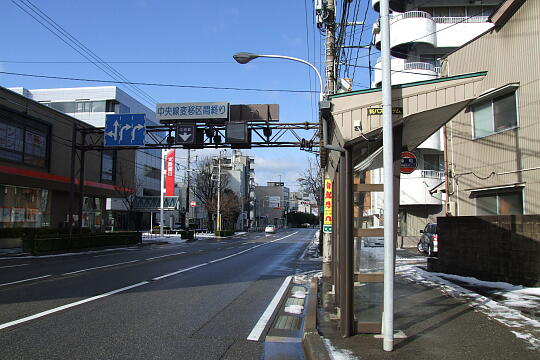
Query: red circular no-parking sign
point(408, 162)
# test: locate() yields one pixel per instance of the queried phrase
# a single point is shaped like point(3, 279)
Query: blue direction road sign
point(185, 134)
point(125, 130)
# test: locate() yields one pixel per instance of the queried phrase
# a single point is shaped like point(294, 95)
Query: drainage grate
point(287, 322)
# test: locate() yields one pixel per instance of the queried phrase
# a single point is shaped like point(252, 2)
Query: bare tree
point(310, 179)
point(127, 187)
point(205, 187)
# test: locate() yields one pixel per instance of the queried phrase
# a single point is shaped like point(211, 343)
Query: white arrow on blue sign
point(125, 130)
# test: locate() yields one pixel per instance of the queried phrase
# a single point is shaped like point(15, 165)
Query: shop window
point(496, 115)
point(108, 166)
point(24, 207)
point(504, 202)
point(24, 140)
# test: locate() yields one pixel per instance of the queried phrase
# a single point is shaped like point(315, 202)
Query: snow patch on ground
point(338, 354)
point(524, 327)
point(294, 309)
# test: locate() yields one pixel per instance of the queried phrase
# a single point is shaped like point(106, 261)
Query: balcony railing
point(419, 66)
point(432, 174)
point(410, 15)
point(460, 19)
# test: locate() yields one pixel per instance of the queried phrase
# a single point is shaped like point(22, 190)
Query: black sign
point(185, 134)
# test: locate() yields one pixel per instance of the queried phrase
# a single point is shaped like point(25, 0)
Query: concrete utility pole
point(330, 48)
point(330, 26)
point(187, 187)
point(388, 169)
point(218, 225)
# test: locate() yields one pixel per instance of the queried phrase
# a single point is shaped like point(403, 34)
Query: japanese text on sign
point(187, 111)
point(327, 224)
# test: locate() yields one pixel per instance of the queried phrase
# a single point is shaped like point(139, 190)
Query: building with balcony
point(421, 33)
point(91, 105)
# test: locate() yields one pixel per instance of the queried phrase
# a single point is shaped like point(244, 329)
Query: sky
point(203, 35)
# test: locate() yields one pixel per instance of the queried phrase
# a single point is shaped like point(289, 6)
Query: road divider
point(25, 280)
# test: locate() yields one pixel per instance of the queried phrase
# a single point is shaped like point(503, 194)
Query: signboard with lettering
point(379, 111)
point(169, 178)
point(167, 112)
point(327, 224)
point(408, 162)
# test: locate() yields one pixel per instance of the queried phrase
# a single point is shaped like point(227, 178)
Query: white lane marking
point(178, 272)
point(263, 321)
point(162, 256)
point(25, 280)
point(99, 267)
point(10, 266)
point(67, 306)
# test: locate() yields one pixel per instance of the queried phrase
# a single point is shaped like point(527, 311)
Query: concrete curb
point(312, 343)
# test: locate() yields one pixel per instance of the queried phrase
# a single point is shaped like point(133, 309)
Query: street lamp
point(245, 57)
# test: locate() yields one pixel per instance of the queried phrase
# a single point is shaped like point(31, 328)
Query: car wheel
point(430, 251)
point(420, 247)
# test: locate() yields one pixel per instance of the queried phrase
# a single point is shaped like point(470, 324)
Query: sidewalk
point(440, 320)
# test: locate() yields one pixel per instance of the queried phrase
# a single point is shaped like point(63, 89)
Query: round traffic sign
point(408, 162)
point(193, 204)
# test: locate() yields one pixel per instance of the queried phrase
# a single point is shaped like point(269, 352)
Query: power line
point(157, 84)
point(76, 45)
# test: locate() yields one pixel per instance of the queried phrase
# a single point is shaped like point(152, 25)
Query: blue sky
point(206, 33)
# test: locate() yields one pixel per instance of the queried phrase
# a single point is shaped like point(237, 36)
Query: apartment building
point(271, 204)
point(421, 33)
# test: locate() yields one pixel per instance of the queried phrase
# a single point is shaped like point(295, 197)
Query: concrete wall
point(492, 248)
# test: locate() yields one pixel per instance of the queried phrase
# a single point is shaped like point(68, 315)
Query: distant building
point(271, 204)
point(91, 105)
point(303, 202)
point(241, 176)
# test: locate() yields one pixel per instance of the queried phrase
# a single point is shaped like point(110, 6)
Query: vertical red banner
point(169, 179)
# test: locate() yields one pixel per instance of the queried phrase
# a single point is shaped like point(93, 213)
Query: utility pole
point(218, 225)
point(330, 47)
point(388, 169)
point(188, 173)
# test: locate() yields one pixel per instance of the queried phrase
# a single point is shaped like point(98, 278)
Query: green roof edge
point(416, 83)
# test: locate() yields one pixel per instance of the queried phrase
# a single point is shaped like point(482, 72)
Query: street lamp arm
point(303, 62)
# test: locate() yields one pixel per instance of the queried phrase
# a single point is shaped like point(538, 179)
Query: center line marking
point(99, 267)
point(10, 266)
point(25, 280)
point(162, 256)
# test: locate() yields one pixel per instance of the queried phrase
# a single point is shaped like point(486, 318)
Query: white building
point(91, 105)
point(420, 34)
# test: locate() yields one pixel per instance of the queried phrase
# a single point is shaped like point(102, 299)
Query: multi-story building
point(492, 145)
point(240, 179)
point(91, 105)
point(271, 204)
point(35, 168)
point(303, 202)
point(421, 33)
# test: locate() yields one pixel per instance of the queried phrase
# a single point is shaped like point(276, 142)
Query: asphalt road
point(195, 300)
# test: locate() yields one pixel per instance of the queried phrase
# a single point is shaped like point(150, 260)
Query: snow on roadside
point(522, 326)
point(338, 354)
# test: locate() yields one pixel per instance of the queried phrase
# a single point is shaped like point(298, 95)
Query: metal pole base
point(388, 344)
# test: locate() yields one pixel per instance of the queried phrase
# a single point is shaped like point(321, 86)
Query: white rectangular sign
point(192, 111)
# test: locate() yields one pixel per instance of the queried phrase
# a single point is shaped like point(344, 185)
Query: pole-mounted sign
point(327, 224)
point(408, 162)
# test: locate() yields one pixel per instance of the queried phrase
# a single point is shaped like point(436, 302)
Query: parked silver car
point(429, 240)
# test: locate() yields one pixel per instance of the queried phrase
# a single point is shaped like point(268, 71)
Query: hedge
point(224, 233)
point(42, 242)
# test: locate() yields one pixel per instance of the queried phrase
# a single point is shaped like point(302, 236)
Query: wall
point(508, 55)
point(492, 248)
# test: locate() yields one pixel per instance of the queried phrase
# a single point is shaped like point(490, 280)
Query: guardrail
point(433, 174)
point(419, 66)
point(409, 15)
point(460, 19)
